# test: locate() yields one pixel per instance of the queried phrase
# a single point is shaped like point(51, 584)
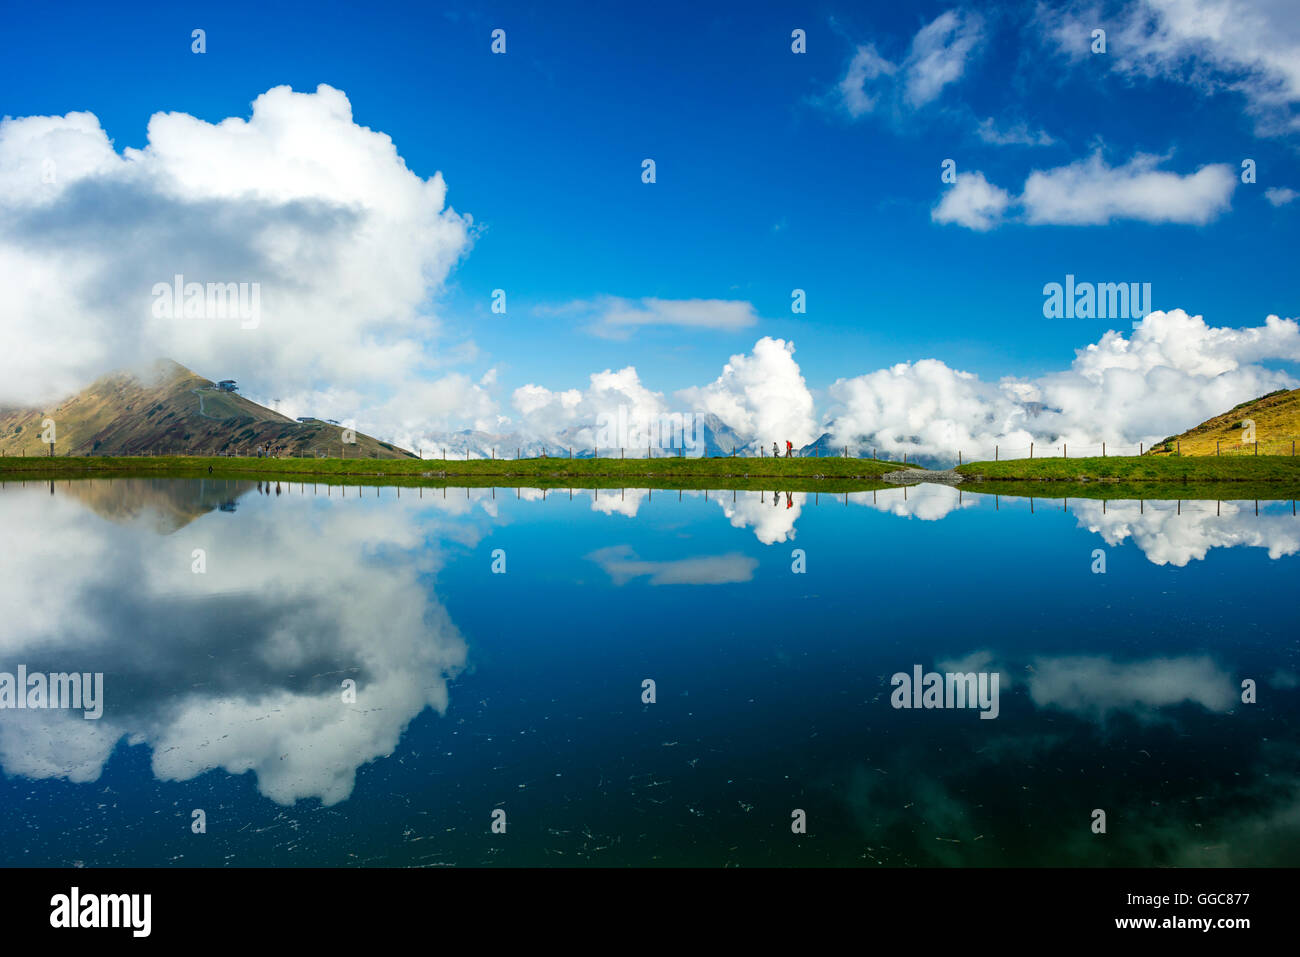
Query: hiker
point(789, 448)
point(775, 454)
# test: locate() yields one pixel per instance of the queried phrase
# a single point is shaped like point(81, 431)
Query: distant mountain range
point(718, 439)
point(167, 409)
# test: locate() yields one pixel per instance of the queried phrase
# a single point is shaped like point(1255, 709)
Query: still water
point(499, 643)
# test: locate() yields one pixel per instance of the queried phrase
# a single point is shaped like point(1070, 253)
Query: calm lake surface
point(226, 617)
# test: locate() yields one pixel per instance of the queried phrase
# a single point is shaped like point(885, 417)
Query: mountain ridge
point(165, 408)
point(1274, 415)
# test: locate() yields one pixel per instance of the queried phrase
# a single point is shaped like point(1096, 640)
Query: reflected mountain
point(170, 505)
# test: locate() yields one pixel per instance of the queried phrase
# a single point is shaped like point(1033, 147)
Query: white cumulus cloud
point(972, 202)
point(762, 394)
point(1173, 372)
point(1091, 192)
point(346, 243)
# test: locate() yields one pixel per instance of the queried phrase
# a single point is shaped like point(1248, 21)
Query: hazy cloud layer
point(938, 56)
point(761, 394)
point(1246, 47)
point(623, 566)
point(614, 317)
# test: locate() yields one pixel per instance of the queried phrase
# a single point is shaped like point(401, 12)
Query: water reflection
point(1175, 533)
point(237, 667)
point(1121, 690)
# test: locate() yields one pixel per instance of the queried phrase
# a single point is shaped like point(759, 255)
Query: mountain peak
point(163, 407)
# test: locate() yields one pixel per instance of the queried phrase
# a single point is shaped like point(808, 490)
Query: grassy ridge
point(1168, 470)
point(809, 474)
point(1151, 491)
point(1166, 477)
point(1276, 419)
point(1236, 477)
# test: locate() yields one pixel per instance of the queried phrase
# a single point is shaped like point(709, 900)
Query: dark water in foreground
point(522, 691)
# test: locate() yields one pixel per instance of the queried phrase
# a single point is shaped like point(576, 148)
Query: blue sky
point(766, 181)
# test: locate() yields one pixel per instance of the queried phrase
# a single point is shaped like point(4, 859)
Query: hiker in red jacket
point(788, 448)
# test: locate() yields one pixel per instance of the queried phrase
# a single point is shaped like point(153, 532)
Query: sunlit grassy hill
point(1276, 419)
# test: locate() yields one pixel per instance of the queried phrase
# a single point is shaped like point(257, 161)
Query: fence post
point(995, 453)
point(1031, 450)
point(1103, 450)
point(1140, 448)
point(959, 456)
point(1065, 450)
